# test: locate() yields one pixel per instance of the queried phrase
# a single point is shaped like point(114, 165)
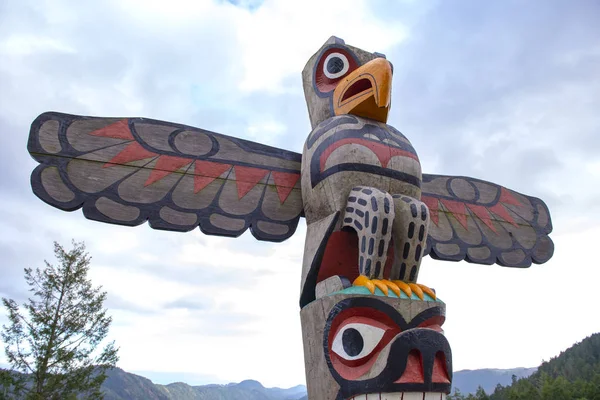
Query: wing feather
point(485, 223)
point(131, 170)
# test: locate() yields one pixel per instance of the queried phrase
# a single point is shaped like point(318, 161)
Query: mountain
point(573, 374)
point(467, 381)
point(121, 385)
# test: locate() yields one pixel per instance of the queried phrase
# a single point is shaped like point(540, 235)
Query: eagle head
point(341, 79)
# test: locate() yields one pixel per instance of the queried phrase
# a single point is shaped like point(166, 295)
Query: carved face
point(376, 345)
point(341, 79)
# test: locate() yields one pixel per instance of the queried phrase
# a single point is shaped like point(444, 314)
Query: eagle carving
point(371, 214)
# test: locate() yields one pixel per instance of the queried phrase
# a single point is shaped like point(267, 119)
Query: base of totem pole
point(356, 345)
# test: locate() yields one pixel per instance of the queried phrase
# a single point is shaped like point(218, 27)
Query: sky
point(502, 91)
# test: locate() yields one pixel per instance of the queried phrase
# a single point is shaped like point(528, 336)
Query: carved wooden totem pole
point(370, 330)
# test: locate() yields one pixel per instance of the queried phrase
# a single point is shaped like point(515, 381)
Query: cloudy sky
point(504, 91)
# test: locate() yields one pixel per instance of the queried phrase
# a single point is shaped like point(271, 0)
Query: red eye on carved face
point(333, 65)
point(356, 338)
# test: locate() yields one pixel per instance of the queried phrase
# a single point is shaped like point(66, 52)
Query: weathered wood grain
point(131, 170)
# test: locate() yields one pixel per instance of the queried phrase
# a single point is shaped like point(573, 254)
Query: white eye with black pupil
point(336, 65)
point(355, 341)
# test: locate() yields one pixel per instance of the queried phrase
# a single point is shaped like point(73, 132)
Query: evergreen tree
point(54, 343)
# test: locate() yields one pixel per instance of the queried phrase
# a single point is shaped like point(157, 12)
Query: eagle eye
point(335, 65)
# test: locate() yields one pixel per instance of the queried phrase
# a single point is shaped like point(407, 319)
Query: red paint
point(284, 183)
point(508, 198)
point(341, 257)
point(383, 151)
point(117, 130)
point(165, 166)
point(324, 84)
point(133, 152)
point(502, 212)
point(483, 214)
point(439, 373)
point(413, 373)
point(433, 205)
point(354, 369)
point(458, 210)
point(207, 171)
point(352, 373)
point(247, 177)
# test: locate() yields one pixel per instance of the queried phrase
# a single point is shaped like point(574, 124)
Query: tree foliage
point(573, 375)
point(52, 343)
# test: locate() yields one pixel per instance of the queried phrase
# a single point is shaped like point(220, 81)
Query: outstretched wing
point(127, 171)
point(485, 223)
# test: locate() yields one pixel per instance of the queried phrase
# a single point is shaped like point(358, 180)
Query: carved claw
point(396, 287)
point(419, 289)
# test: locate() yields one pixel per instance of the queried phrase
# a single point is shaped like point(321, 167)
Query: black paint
point(378, 268)
point(374, 204)
point(381, 247)
point(406, 250)
point(374, 224)
point(413, 210)
point(413, 273)
point(421, 232)
point(352, 342)
point(411, 230)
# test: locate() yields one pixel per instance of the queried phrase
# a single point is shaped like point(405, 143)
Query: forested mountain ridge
point(573, 375)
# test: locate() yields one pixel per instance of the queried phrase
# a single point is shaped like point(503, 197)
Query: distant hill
point(121, 385)
point(573, 374)
point(467, 381)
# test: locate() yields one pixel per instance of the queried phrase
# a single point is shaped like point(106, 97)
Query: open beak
point(366, 91)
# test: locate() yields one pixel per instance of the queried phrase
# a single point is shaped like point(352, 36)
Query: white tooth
point(391, 396)
point(373, 396)
point(413, 396)
point(434, 396)
point(360, 397)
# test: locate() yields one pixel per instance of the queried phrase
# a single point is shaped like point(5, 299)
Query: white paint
point(343, 71)
point(371, 336)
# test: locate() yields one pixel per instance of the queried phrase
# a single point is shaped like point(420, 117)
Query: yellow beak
point(366, 91)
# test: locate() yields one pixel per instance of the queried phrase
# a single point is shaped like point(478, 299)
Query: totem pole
point(370, 330)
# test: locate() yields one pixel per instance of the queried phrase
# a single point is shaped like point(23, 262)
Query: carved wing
point(127, 171)
point(485, 223)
